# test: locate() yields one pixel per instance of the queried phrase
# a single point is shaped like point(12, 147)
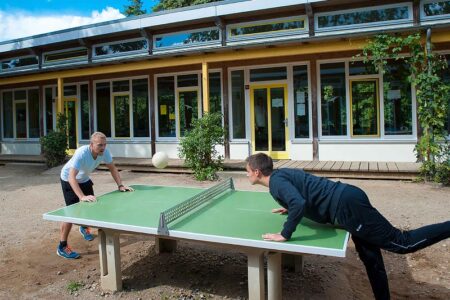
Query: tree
point(134, 9)
point(171, 4)
point(433, 95)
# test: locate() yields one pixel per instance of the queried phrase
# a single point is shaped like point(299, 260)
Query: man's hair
point(262, 162)
point(97, 134)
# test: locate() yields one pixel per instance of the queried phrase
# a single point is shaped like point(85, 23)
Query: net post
point(231, 183)
point(162, 227)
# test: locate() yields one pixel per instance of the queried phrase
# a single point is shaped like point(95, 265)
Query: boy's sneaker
point(86, 233)
point(66, 252)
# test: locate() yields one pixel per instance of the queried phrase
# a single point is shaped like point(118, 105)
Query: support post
point(274, 276)
point(205, 85)
point(255, 266)
point(163, 245)
point(109, 250)
point(59, 102)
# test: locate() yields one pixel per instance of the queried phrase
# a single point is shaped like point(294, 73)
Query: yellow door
point(268, 113)
point(70, 111)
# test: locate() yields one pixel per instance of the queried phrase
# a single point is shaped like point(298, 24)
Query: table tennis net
point(190, 204)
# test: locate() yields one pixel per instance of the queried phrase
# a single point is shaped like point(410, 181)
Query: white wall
point(239, 150)
point(21, 148)
point(302, 151)
point(398, 152)
point(138, 150)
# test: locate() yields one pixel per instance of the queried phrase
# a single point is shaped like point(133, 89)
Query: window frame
point(186, 47)
point(364, 26)
point(431, 19)
point(133, 53)
point(22, 68)
point(111, 107)
point(60, 62)
point(279, 33)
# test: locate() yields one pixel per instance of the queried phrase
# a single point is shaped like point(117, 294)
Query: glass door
point(70, 111)
point(365, 111)
point(268, 120)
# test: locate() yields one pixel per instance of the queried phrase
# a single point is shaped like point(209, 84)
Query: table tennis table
point(219, 215)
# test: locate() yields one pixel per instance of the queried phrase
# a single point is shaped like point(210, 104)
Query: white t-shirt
point(83, 161)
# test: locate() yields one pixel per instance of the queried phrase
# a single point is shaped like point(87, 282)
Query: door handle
point(285, 121)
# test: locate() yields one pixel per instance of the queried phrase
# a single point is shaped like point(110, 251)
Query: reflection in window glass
point(215, 94)
point(70, 90)
point(333, 103)
point(19, 62)
point(20, 95)
point(33, 113)
point(397, 99)
point(8, 115)
point(121, 86)
point(21, 119)
point(49, 109)
point(364, 17)
point(190, 80)
point(360, 68)
point(122, 115)
point(188, 110)
point(140, 108)
point(103, 108)
point(437, 8)
point(268, 74)
point(166, 106)
point(364, 107)
point(184, 38)
point(301, 105)
point(267, 28)
point(84, 104)
point(121, 48)
point(238, 104)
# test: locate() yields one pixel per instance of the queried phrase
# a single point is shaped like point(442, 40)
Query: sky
point(22, 18)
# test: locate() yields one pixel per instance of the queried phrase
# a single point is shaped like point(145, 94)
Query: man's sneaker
point(66, 252)
point(86, 233)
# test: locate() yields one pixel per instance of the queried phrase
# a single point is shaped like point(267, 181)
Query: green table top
point(236, 218)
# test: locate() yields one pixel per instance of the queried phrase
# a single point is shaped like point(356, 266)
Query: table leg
point(163, 245)
point(109, 251)
point(274, 276)
point(255, 266)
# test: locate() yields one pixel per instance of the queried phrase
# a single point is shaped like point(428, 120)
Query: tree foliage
point(134, 9)
point(171, 4)
point(432, 96)
point(198, 147)
point(54, 145)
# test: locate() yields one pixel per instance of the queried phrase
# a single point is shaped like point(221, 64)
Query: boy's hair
point(262, 162)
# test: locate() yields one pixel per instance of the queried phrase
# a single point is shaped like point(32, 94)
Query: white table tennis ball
point(160, 160)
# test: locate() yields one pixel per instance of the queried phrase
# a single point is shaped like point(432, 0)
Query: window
point(140, 108)
point(301, 104)
point(433, 9)
point(268, 74)
point(266, 28)
point(364, 108)
point(333, 99)
point(66, 56)
point(21, 114)
point(187, 109)
point(121, 104)
point(19, 63)
point(446, 78)
point(84, 105)
point(121, 48)
point(215, 93)
point(103, 109)
point(187, 39)
point(8, 115)
point(49, 108)
point(238, 104)
point(369, 16)
point(397, 99)
point(166, 106)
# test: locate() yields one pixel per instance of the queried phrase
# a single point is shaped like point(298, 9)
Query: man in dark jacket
point(324, 201)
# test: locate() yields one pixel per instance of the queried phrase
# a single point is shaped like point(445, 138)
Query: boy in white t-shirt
point(77, 186)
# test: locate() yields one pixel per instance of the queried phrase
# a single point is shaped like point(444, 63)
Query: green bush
point(198, 147)
point(54, 144)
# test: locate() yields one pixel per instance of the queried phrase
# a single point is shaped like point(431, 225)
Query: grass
point(74, 286)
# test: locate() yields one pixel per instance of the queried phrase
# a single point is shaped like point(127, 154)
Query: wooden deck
point(332, 169)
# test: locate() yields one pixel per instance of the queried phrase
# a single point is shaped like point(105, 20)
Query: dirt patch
point(30, 269)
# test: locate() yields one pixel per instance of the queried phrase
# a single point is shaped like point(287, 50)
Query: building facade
point(283, 74)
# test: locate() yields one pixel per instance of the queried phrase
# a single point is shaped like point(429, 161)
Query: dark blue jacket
point(303, 194)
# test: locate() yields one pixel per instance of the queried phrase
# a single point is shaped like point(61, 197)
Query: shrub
point(54, 144)
point(198, 147)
